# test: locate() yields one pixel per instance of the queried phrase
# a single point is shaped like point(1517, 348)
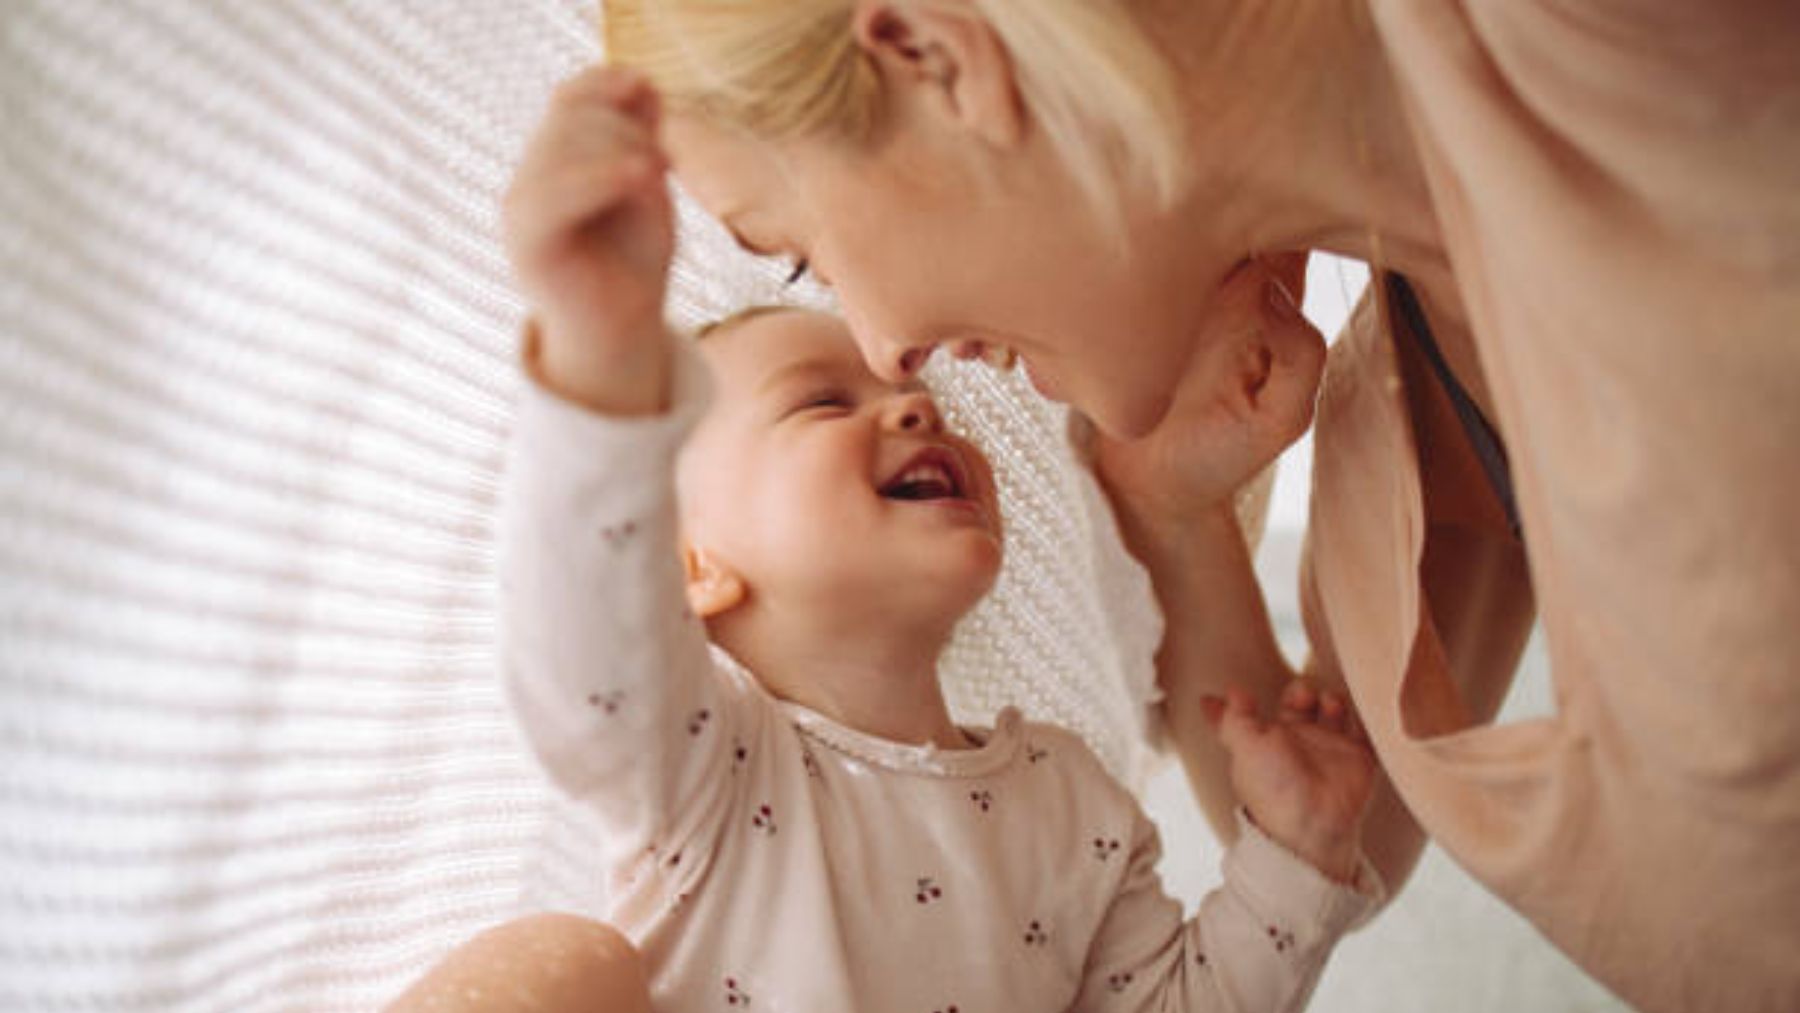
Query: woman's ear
point(953, 56)
point(713, 588)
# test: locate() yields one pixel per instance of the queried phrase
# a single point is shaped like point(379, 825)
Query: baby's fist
point(1305, 777)
point(588, 222)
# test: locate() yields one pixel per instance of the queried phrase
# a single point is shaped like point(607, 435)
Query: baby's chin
point(980, 572)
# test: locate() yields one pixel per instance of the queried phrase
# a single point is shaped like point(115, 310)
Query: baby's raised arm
point(607, 669)
point(590, 231)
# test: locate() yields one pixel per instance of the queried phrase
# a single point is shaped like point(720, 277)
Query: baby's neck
point(881, 681)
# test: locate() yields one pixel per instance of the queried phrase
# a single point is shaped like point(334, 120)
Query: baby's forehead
point(748, 355)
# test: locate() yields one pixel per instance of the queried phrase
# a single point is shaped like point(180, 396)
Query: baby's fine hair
point(740, 317)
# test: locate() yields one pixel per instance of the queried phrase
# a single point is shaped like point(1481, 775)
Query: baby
point(794, 822)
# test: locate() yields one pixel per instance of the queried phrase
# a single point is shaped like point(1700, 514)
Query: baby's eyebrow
point(781, 376)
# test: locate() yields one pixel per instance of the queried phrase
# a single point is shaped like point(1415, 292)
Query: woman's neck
point(1302, 142)
point(1300, 138)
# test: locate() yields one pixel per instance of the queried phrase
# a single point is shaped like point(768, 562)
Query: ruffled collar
point(994, 747)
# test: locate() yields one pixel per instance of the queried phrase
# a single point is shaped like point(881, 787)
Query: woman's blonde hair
point(1089, 75)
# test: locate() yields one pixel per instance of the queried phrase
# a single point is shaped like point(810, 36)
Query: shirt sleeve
point(607, 671)
point(1258, 943)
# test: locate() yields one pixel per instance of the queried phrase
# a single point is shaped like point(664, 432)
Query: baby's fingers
point(1234, 717)
point(1299, 701)
point(1303, 703)
point(619, 88)
point(1334, 712)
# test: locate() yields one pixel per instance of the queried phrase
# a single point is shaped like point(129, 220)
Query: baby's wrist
point(1339, 864)
point(623, 376)
point(1335, 856)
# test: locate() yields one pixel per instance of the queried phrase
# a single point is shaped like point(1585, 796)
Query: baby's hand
point(590, 231)
point(1247, 394)
point(1305, 777)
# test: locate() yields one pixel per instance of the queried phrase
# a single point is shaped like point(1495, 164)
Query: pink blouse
point(1618, 182)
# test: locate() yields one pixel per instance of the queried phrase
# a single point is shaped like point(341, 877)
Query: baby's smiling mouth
point(933, 473)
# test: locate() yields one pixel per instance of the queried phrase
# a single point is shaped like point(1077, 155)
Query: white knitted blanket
point(256, 373)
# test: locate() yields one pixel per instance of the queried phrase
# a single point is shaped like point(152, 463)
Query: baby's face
point(825, 488)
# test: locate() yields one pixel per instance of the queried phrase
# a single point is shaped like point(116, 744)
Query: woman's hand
point(1247, 394)
point(1305, 777)
point(589, 228)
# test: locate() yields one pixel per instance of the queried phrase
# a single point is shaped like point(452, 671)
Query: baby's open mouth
point(931, 474)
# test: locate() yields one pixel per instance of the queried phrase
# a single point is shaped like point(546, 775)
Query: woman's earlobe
point(956, 55)
point(713, 588)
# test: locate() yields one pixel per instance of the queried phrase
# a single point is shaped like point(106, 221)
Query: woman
point(1578, 373)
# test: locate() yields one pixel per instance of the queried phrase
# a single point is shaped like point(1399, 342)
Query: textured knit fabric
point(764, 856)
point(1619, 187)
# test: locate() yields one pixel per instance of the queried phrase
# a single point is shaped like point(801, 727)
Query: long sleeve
point(1258, 943)
point(607, 671)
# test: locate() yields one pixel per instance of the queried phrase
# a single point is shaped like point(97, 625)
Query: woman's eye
point(799, 271)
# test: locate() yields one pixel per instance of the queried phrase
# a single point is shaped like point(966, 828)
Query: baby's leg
point(539, 964)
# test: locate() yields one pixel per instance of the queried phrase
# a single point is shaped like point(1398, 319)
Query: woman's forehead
point(734, 176)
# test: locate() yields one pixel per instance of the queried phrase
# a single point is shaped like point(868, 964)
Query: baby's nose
point(916, 413)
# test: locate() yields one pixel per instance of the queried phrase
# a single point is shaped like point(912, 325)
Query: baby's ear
point(713, 587)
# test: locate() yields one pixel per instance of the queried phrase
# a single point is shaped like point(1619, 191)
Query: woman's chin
point(1129, 418)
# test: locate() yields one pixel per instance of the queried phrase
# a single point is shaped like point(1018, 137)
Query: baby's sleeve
point(607, 671)
point(1257, 945)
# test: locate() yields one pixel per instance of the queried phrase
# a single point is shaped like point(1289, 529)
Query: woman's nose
point(913, 359)
point(900, 365)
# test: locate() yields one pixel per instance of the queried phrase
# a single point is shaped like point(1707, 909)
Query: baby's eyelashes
point(824, 400)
